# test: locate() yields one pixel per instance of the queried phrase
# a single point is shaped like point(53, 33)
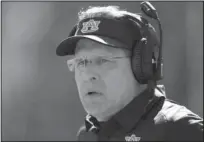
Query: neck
point(103, 117)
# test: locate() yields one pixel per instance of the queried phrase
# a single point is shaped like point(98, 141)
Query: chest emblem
point(133, 138)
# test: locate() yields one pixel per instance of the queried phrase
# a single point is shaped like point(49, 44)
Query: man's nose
point(90, 75)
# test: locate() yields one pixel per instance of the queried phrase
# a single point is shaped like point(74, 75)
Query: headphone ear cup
point(141, 62)
point(136, 62)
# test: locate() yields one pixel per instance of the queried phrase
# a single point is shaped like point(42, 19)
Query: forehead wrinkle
point(90, 46)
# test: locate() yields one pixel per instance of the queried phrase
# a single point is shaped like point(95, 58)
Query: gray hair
point(105, 11)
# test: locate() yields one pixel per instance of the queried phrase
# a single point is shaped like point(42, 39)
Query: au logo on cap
point(90, 26)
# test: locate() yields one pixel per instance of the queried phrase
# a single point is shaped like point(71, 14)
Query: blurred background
point(39, 95)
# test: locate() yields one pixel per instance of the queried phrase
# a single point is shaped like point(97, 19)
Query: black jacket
point(148, 118)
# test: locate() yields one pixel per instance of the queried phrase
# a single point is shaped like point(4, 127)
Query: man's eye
point(104, 60)
point(81, 62)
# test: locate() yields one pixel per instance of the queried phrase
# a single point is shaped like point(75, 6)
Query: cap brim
point(67, 47)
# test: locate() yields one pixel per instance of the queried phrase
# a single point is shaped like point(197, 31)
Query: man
point(121, 104)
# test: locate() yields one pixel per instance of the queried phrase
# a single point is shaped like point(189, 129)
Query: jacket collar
point(134, 111)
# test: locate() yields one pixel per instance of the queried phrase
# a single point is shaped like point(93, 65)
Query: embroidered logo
point(132, 138)
point(90, 26)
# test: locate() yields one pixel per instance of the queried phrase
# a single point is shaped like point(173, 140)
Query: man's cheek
point(78, 84)
point(114, 80)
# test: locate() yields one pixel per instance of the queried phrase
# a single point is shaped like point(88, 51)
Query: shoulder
point(180, 122)
point(172, 111)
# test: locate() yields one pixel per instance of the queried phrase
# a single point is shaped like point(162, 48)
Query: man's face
point(105, 85)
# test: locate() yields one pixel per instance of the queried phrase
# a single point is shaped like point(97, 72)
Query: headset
point(146, 68)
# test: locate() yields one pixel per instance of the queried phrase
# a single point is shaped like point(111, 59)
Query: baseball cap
point(103, 30)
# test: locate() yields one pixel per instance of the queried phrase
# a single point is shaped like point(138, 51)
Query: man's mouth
point(93, 93)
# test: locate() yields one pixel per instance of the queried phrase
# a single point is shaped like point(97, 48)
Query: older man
point(121, 104)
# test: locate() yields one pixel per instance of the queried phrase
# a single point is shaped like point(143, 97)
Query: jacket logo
point(132, 138)
point(90, 26)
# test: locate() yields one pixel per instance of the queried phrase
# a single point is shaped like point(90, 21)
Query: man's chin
point(100, 117)
point(93, 112)
point(99, 114)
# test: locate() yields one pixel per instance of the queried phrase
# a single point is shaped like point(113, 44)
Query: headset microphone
point(151, 12)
